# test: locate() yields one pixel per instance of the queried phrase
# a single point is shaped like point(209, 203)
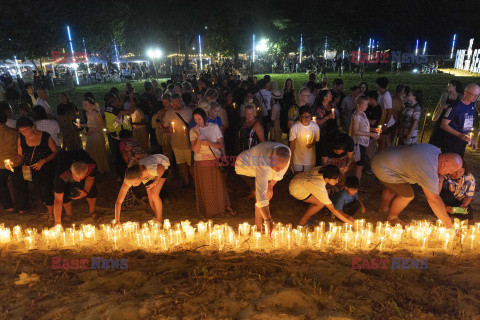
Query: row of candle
point(421, 235)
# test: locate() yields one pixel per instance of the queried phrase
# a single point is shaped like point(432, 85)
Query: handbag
point(221, 168)
point(27, 170)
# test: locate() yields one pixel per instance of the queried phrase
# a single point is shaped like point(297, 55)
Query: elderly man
point(74, 180)
point(176, 122)
point(42, 101)
point(458, 122)
point(399, 167)
point(262, 167)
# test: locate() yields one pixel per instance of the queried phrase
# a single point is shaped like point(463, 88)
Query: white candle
point(173, 126)
point(8, 164)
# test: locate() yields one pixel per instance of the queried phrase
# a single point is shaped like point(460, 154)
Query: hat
point(277, 94)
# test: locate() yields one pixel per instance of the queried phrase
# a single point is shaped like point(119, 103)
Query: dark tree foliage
point(31, 29)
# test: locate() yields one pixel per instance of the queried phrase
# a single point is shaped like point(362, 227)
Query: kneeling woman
point(152, 172)
point(310, 187)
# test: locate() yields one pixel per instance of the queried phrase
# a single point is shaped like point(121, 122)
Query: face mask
point(250, 100)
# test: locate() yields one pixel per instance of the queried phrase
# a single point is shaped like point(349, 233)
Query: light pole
point(73, 55)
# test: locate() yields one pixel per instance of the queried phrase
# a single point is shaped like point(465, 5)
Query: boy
point(346, 201)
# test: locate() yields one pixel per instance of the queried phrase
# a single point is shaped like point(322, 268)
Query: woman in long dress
point(95, 145)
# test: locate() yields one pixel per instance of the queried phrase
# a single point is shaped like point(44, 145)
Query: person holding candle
point(399, 167)
point(458, 190)
point(261, 167)
point(95, 145)
point(38, 152)
point(210, 188)
point(9, 164)
point(251, 132)
point(310, 187)
point(325, 113)
point(361, 134)
point(74, 180)
point(152, 171)
point(409, 117)
point(173, 122)
point(67, 113)
point(458, 122)
point(303, 137)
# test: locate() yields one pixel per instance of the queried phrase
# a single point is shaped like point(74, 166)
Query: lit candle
point(173, 126)
point(184, 129)
point(8, 164)
point(379, 129)
point(166, 224)
point(308, 138)
point(333, 112)
point(314, 118)
point(77, 122)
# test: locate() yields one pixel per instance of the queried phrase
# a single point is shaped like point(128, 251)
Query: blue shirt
point(461, 117)
point(342, 198)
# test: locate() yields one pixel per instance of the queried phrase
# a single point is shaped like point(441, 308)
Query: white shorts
point(298, 191)
point(301, 168)
point(183, 156)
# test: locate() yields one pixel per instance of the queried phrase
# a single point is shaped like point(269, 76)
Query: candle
point(77, 122)
point(184, 129)
point(173, 126)
point(333, 112)
point(379, 129)
point(234, 105)
point(308, 138)
point(314, 118)
point(8, 164)
point(166, 224)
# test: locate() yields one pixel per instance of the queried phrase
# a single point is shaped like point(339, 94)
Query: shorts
point(298, 192)
point(363, 156)
point(164, 176)
point(72, 186)
point(183, 156)
point(400, 189)
point(302, 168)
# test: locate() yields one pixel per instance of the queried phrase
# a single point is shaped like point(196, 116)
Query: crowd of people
point(211, 127)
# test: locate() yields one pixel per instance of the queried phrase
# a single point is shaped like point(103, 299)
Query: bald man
point(458, 122)
point(399, 167)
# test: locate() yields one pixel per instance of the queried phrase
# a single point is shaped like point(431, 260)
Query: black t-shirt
point(63, 174)
point(374, 113)
point(327, 145)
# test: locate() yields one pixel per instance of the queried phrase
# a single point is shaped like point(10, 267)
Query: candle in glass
point(8, 164)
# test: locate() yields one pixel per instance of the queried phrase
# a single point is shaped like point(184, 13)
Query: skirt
point(211, 192)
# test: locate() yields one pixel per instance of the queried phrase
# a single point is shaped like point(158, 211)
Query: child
point(310, 187)
point(458, 190)
point(346, 201)
point(304, 134)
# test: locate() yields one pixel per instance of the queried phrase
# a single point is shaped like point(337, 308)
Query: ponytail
point(330, 172)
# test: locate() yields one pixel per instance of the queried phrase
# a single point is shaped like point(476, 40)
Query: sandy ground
point(205, 284)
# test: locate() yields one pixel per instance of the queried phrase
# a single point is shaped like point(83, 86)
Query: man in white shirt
point(176, 122)
point(262, 167)
point(42, 101)
point(387, 122)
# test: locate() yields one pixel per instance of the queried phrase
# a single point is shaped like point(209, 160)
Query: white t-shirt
point(385, 101)
point(211, 133)
point(45, 106)
point(151, 162)
point(309, 183)
point(304, 135)
point(50, 126)
point(264, 97)
point(361, 120)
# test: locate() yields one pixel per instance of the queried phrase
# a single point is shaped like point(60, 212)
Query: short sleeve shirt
point(411, 164)
point(313, 183)
point(342, 198)
point(211, 133)
point(304, 135)
point(461, 117)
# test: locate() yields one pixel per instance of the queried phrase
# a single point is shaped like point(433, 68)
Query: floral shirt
point(409, 115)
point(461, 188)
